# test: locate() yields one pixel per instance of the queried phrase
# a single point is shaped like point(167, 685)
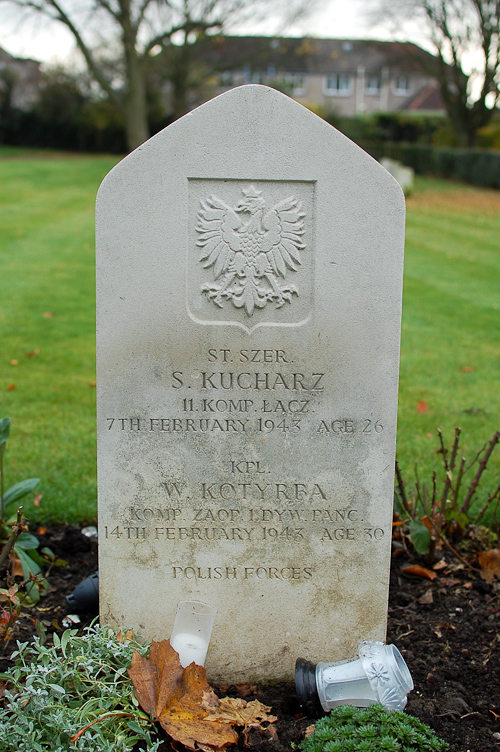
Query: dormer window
point(402, 85)
point(338, 85)
point(296, 82)
point(373, 84)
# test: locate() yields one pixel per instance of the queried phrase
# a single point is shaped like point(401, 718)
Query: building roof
point(427, 100)
point(311, 55)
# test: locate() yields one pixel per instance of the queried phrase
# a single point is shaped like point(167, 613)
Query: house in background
point(338, 76)
point(19, 81)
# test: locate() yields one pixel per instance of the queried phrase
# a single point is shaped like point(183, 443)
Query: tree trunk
point(135, 107)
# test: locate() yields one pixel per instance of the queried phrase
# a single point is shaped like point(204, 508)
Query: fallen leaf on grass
point(14, 362)
point(174, 696)
point(33, 353)
point(38, 498)
point(11, 387)
point(92, 383)
point(48, 315)
point(467, 369)
point(422, 407)
point(489, 561)
point(419, 571)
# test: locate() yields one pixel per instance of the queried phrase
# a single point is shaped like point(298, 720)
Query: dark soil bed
point(448, 631)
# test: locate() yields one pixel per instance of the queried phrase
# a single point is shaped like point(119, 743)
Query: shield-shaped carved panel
point(250, 255)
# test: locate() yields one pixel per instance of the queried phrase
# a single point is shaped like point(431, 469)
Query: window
point(372, 84)
point(296, 82)
point(402, 85)
point(338, 85)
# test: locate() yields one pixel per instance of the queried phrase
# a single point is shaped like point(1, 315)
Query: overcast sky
point(51, 42)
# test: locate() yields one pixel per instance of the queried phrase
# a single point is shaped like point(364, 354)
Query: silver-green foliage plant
point(372, 729)
point(74, 695)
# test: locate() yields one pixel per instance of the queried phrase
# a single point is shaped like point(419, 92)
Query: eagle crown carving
point(250, 250)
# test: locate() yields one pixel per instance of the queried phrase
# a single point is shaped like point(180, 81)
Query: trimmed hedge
point(476, 166)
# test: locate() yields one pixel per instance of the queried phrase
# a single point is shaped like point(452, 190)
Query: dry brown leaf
point(422, 407)
point(240, 712)
point(245, 689)
point(156, 679)
point(33, 353)
point(92, 383)
point(440, 565)
point(41, 530)
point(174, 696)
point(48, 315)
point(419, 571)
point(489, 561)
point(309, 730)
point(254, 736)
point(37, 499)
point(11, 387)
point(426, 599)
point(125, 636)
point(186, 721)
point(467, 369)
point(450, 582)
point(16, 568)
point(14, 362)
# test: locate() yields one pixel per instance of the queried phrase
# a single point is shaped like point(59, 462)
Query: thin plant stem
point(485, 507)
point(482, 466)
point(2, 449)
point(402, 491)
point(448, 466)
point(458, 484)
point(17, 529)
point(117, 714)
point(493, 517)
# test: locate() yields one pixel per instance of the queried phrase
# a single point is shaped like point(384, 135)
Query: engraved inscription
point(250, 249)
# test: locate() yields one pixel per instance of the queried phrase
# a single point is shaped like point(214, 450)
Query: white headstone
point(249, 275)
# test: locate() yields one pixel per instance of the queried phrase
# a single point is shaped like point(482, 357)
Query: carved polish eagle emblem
point(250, 249)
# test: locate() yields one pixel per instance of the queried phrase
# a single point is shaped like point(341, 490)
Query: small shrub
point(441, 512)
point(74, 695)
point(372, 729)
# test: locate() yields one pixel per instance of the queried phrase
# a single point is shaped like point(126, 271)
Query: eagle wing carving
point(218, 239)
point(284, 228)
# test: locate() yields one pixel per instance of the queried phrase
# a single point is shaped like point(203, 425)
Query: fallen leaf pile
point(185, 705)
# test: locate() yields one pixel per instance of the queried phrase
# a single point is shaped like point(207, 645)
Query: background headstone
point(249, 275)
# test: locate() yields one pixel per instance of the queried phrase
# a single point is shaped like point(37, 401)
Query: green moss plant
point(372, 729)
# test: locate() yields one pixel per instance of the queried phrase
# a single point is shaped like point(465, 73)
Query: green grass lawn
point(450, 342)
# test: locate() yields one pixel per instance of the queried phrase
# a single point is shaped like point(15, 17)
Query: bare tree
point(465, 35)
point(134, 28)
